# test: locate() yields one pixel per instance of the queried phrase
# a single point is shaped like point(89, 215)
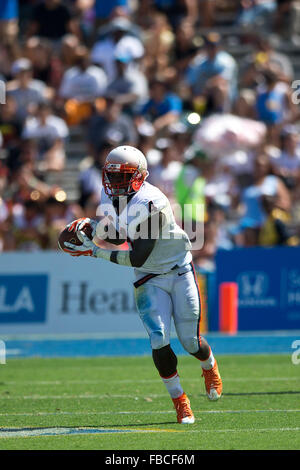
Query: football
point(72, 237)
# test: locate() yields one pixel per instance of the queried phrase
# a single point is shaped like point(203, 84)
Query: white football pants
point(175, 294)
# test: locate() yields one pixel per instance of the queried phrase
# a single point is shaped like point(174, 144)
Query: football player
point(135, 211)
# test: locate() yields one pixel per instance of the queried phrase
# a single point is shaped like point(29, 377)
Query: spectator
point(23, 155)
point(105, 10)
point(68, 50)
point(287, 20)
point(219, 215)
point(277, 228)
point(10, 124)
point(90, 206)
point(244, 105)
point(158, 41)
point(212, 76)
point(81, 86)
point(166, 172)
point(163, 108)
point(256, 13)
point(204, 258)
point(181, 137)
point(50, 132)
point(27, 223)
point(287, 163)
point(190, 189)
point(178, 10)
point(9, 14)
point(27, 92)
point(274, 105)
point(4, 212)
point(119, 40)
point(184, 49)
point(130, 86)
point(264, 182)
point(24, 182)
point(90, 178)
point(147, 79)
point(111, 125)
point(221, 187)
point(3, 182)
point(207, 13)
point(146, 143)
point(57, 214)
point(39, 52)
point(263, 58)
point(9, 53)
point(84, 81)
point(52, 19)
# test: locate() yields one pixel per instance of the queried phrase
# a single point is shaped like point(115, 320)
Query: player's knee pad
point(158, 339)
point(190, 344)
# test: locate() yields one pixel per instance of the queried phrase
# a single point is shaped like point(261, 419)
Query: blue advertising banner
point(23, 298)
point(268, 283)
point(49, 292)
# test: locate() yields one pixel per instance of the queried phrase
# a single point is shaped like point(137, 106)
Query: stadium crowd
point(217, 129)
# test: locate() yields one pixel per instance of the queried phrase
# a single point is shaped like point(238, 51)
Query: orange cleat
point(213, 382)
point(183, 410)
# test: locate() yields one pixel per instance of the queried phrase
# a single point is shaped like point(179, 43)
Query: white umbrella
point(221, 134)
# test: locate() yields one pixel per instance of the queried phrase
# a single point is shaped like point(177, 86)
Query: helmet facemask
point(118, 181)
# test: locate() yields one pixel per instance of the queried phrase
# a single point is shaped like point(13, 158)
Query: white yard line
point(74, 397)
point(50, 432)
point(240, 430)
point(99, 381)
point(91, 413)
point(85, 396)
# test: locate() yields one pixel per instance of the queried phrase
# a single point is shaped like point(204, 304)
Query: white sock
point(173, 386)
point(209, 362)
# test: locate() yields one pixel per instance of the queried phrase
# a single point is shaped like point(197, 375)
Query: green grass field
point(260, 408)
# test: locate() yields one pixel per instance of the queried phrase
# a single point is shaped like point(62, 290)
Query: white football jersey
point(172, 247)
